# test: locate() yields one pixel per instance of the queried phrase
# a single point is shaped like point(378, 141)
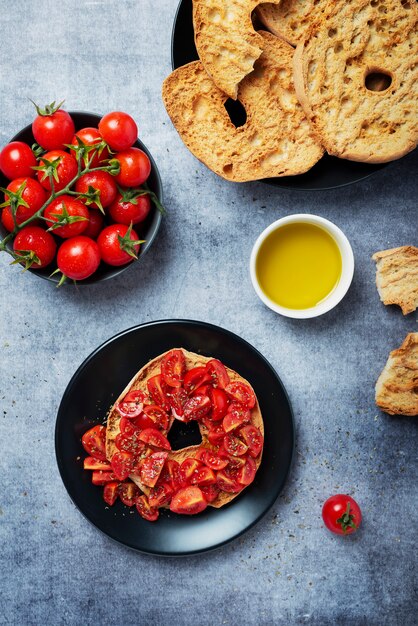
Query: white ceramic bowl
point(336, 295)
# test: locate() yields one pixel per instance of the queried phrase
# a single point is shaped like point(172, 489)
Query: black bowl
point(146, 230)
point(328, 173)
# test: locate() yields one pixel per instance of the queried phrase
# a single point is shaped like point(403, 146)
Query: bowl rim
point(158, 191)
point(347, 271)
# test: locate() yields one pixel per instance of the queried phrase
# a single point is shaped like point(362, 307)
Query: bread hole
point(236, 111)
point(338, 47)
point(183, 434)
point(374, 3)
point(406, 4)
point(227, 169)
point(332, 32)
point(377, 81)
point(382, 9)
point(214, 16)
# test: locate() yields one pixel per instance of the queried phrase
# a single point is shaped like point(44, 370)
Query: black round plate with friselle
point(328, 173)
point(99, 381)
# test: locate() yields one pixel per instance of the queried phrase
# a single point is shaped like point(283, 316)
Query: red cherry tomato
point(153, 437)
point(246, 474)
point(341, 514)
point(219, 403)
point(227, 483)
point(242, 393)
point(157, 415)
point(132, 404)
point(160, 495)
point(53, 131)
point(188, 501)
point(210, 459)
point(173, 368)
point(197, 407)
point(94, 442)
point(36, 240)
point(217, 370)
point(128, 493)
point(111, 492)
point(130, 211)
point(188, 469)
point(128, 427)
point(253, 439)
point(195, 378)
point(90, 463)
point(122, 463)
point(210, 492)
point(129, 444)
point(236, 416)
point(173, 471)
point(66, 169)
point(135, 167)
point(157, 393)
point(94, 225)
point(216, 435)
point(145, 510)
point(62, 205)
point(103, 182)
point(203, 476)
point(102, 478)
point(113, 250)
point(91, 137)
point(234, 446)
point(78, 257)
point(119, 130)
point(151, 467)
point(33, 194)
point(17, 160)
point(177, 398)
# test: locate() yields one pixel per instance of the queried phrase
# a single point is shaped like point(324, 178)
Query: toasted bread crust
point(276, 139)
point(290, 19)
point(397, 277)
point(139, 381)
point(397, 385)
point(226, 41)
point(349, 42)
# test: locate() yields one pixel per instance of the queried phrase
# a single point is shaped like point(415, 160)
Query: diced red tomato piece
point(173, 469)
point(219, 403)
point(143, 421)
point(111, 492)
point(173, 367)
point(234, 446)
point(122, 463)
point(234, 463)
point(242, 393)
point(94, 442)
point(157, 392)
point(216, 435)
point(90, 463)
point(210, 459)
point(203, 476)
point(101, 478)
point(160, 495)
point(127, 427)
point(128, 493)
point(226, 483)
point(177, 398)
point(151, 467)
point(246, 474)
point(232, 421)
point(188, 501)
point(129, 444)
point(195, 378)
point(197, 407)
point(210, 492)
point(217, 370)
point(145, 510)
point(253, 439)
point(153, 437)
point(203, 390)
point(157, 415)
point(188, 469)
point(132, 404)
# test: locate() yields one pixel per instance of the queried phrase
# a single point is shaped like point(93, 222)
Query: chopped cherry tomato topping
point(234, 446)
point(219, 403)
point(173, 367)
point(197, 407)
point(94, 442)
point(101, 478)
point(188, 469)
point(210, 492)
point(246, 474)
point(122, 463)
point(195, 378)
point(145, 510)
point(216, 435)
point(177, 398)
point(203, 476)
point(253, 438)
point(173, 469)
point(154, 438)
point(132, 404)
point(143, 421)
point(218, 373)
point(227, 483)
point(129, 444)
point(157, 393)
point(90, 463)
point(151, 467)
point(128, 493)
point(242, 393)
point(234, 419)
point(210, 459)
point(188, 501)
point(160, 495)
point(157, 415)
point(128, 427)
point(111, 492)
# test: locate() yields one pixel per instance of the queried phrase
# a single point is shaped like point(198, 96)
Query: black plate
point(328, 173)
point(101, 378)
point(147, 230)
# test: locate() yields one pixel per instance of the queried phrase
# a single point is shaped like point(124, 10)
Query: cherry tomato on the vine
point(101, 181)
point(66, 169)
point(341, 514)
point(117, 246)
point(119, 130)
point(92, 137)
point(17, 160)
point(35, 240)
point(31, 192)
point(135, 167)
point(67, 209)
point(53, 128)
point(126, 211)
point(78, 257)
point(94, 225)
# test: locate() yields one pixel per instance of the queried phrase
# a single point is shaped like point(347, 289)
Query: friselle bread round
point(356, 76)
point(226, 41)
point(276, 139)
point(290, 19)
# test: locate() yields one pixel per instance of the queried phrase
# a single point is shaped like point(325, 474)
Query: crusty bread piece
point(351, 42)
point(226, 41)
point(397, 385)
point(397, 277)
point(139, 381)
point(276, 139)
point(291, 19)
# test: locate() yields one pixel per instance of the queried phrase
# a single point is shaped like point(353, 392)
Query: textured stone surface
point(55, 567)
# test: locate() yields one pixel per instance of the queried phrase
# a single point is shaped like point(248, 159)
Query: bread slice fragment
point(397, 277)
point(139, 381)
point(356, 76)
point(290, 19)
point(226, 41)
point(397, 385)
point(276, 139)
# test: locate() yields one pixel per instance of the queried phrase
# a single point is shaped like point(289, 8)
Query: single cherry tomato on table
point(341, 514)
point(36, 247)
point(53, 127)
point(78, 257)
point(118, 244)
point(62, 166)
point(94, 442)
point(26, 191)
point(17, 160)
point(119, 130)
point(135, 167)
point(71, 213)
point(130, 206)
point(102, 183)
point(91, 137)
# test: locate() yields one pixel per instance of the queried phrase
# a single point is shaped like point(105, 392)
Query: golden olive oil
point(298, 265)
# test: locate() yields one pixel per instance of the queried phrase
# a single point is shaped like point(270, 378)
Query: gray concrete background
point(55, 567)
